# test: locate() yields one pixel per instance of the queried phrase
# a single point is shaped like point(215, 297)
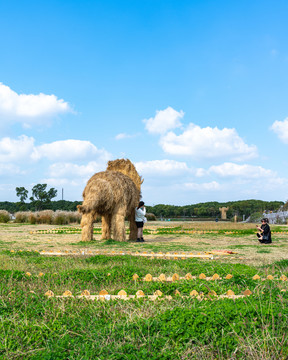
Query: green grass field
point(33, 326)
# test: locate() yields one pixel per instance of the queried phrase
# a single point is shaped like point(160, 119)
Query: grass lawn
point(33, 326)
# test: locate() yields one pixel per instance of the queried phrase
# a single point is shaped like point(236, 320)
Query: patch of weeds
point(18, 253)
point(264, 251)
point(85, 243)
point(282, 263)
point(242, 246)
point(111, 242)
point(7, 242)
point(11, 274)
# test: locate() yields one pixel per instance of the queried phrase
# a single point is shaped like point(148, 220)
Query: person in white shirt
point(140, 219)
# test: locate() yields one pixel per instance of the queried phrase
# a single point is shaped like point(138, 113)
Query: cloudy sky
point(193, 92)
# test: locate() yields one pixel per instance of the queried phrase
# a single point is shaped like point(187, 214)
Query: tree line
point(211, 209)
point(41, 199)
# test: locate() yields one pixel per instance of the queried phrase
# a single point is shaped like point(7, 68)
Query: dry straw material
point(113, 194)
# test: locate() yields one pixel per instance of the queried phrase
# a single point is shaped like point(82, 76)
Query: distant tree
point(40, 197)
point(22, 193)
point(285, 206)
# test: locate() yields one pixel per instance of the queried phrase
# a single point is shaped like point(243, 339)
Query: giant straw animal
point(112, 194)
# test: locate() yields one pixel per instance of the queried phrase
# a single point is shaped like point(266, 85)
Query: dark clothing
point(139, 224)
point(266, 234)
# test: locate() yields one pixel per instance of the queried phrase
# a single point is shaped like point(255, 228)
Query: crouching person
point(264, 234)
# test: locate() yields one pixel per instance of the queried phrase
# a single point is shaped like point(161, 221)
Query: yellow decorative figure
point(247, 292)
point(122, 293)
point(103, 292)
point(140, 293)
point(175, 277)
point(49, 293)
point(230, 293)
point(85, 293)
point(194, 293)
point(148, 277)
point(188, 276)
point(158, 293)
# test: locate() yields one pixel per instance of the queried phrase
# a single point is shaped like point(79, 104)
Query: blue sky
point(193, 92)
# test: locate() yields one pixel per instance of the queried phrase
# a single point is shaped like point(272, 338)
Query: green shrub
point(4, 216)
point(256, 217)
point(60, 219)
point(151, 217)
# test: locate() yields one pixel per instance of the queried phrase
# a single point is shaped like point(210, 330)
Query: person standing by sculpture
point(140, 219)
point(265, 233)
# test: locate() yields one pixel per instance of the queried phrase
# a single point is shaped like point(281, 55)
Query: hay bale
point(112, 194)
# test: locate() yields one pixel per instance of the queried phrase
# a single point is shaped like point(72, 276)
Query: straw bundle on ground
point(112, 194)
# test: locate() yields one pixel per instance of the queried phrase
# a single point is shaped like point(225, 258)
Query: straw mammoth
point(112, 194)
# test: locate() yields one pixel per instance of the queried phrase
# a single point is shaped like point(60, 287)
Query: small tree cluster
point(40, 199)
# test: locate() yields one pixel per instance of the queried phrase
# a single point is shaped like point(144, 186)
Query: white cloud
point(29, 108)
point(60, 182)
point(211, 186)
point(10, 169)
point(23, 148)
point(208, 143)
point(73, 170)
point(281, 129)
point(68, 150)
point(164, 121)
point(161, 167)
point(122, 136)
point(200, 172)
point(241, 171)
point(15, 150)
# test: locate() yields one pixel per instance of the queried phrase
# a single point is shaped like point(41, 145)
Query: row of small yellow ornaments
point(103, 294)
point(176, 277)
point(151, 232)
point(188, 276)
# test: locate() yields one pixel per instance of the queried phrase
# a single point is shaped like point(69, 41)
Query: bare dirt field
point(245, 246)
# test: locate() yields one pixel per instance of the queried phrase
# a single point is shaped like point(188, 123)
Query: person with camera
point(264, 236)
point(140, 219)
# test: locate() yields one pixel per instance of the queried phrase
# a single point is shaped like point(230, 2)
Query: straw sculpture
point(113, 194)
